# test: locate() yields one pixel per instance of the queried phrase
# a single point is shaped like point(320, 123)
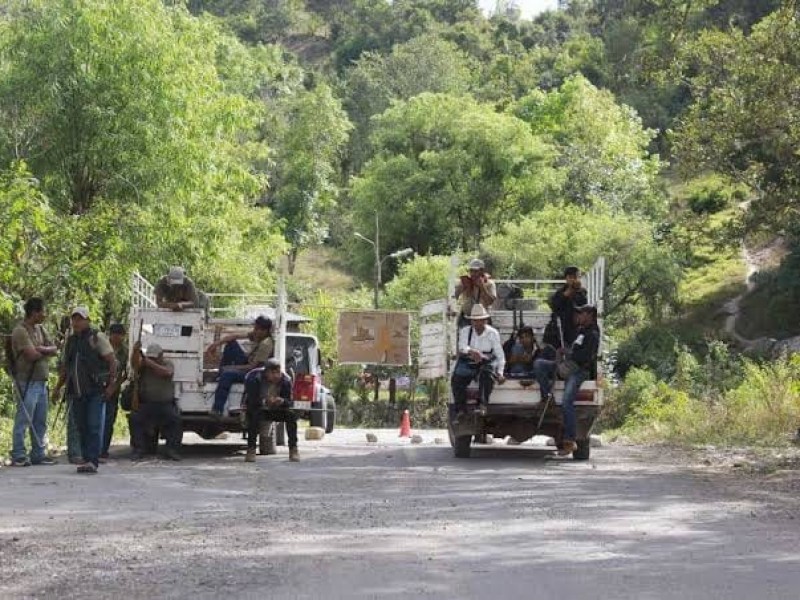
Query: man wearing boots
point(268, 396)
point(89, 371)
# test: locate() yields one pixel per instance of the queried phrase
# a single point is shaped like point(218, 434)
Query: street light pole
point(378, 267)
point(377, 260)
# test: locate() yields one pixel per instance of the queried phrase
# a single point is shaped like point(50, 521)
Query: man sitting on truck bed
point(268, 396)
point(480, 354)
point(581, 359)
point(176, 291)
point(235, 363)
point(522, 353)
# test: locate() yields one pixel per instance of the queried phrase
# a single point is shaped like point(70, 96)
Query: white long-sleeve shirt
point(486, 343)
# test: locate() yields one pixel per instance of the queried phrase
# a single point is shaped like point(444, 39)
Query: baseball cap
point(272, 364)
point(176, 275)
point(81, 311)
point(154, 351)
point(476, 263)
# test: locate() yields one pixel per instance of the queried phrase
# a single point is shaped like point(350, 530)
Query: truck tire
point(280, 433)
point(583, 450)
point(266, 439)
point(463, 446)
point(330, 414)
point(317, 418)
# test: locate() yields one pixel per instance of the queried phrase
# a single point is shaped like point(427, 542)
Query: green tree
point(603, 147)
point(641, 272)
point(424, 64)
point(418, 281)
point(447, 170)
point(313, 132)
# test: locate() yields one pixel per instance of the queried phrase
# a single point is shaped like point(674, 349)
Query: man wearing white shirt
point(478, 345)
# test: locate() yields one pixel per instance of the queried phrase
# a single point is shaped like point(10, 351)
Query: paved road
point(392, 520)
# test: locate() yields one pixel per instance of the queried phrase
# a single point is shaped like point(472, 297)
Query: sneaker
point(46, 461)
point(250, 456)
point(567, 447)
point(87, 468)
point(21, 462)
point(294, 455)
point(172, 454)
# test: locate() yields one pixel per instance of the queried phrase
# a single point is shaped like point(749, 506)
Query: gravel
point(388, 520)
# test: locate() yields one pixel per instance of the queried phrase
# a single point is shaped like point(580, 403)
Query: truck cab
point(515, 408)
point(185, 336)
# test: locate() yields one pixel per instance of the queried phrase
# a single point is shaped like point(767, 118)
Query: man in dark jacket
point(582, 358)
point(89, 371)
point(268, 396)
point(564, 302)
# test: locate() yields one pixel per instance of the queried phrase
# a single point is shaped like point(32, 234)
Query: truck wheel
point(266, 439)
point(330, 421)
point(317, 418)
point(583, 450)
point(280, 433)
point(463, 446)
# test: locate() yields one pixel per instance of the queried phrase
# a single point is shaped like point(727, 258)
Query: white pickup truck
point(185, 336)
point(515, 408)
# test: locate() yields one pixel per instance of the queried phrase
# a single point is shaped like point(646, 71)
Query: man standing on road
point(176, 291)
point(30, 349)
point(582, 359)
point(565, 301)
point(268, 396)
point(116, 335)
point(236, 363)
point(89, 371)
point(157, 410)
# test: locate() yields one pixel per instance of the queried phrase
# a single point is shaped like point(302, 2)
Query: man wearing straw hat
point(480, 355)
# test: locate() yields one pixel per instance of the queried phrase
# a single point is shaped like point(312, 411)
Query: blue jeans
point(31, 416)
point(545, 371)
point(232, 355)
point(90, 412)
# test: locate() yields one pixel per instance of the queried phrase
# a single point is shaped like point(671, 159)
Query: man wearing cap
point(478, 344)
point(157, 408)
point(31, 349)
point(564, 302)
point(176, 291)
point(89, 370)
point(581, 359)
point(268, 396)
point(116, 335)
point(475, 288)
point(236, 362)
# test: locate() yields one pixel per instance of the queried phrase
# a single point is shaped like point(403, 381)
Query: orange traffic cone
point(405, 425)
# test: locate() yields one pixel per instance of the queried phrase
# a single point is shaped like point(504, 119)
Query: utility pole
point(378, 267)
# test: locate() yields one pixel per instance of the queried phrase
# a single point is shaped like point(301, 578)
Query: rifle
point(135, 368)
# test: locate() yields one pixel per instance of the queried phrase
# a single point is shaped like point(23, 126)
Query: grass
point(318, 268)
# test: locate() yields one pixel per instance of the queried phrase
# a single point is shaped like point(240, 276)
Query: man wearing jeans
point(582, 356)
point(268, 396)
point(89, 370)
point(236, 363)
point(31, 348)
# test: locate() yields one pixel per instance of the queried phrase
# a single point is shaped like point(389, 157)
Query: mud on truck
point(185, 336)
point(516, 407)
